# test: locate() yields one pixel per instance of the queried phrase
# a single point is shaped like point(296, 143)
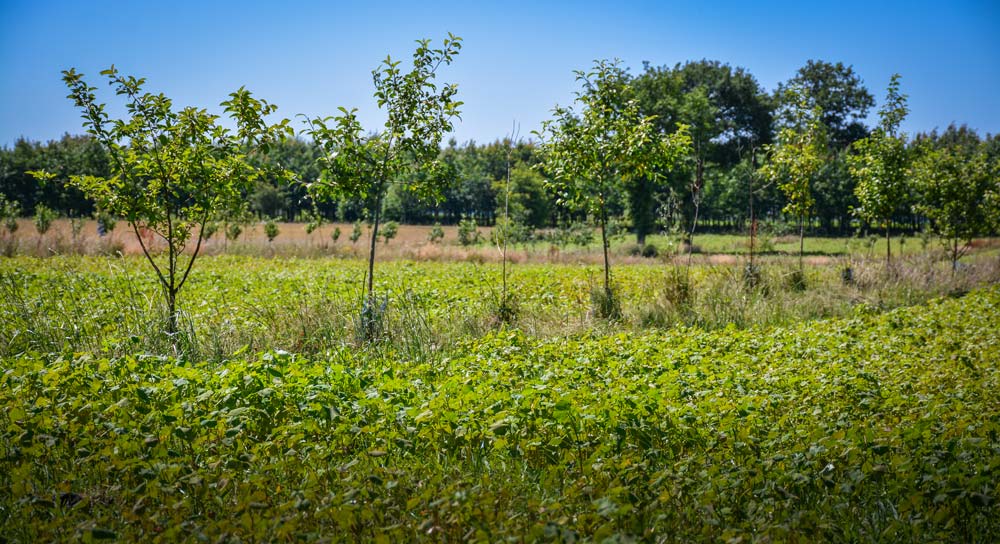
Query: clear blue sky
point(517, 60)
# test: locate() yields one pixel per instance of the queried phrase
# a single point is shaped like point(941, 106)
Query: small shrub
point(389, 230)
point(847, 275)
point(76, 227)
point(43, 218)
point(314, 223)
point(504, 310)
point(335, 235)
point(437, 233)
point(209, 230)
point(106, 222)
point(581, 234)
point(605, 303)
point(650, 251)
point(271, 230)
point(468, 232)
point(356, 232)
point(9, 212)
point(233, 231)
point(796, 280)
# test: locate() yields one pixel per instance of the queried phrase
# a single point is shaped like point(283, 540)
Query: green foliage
point(468, 232)
point(233, 231)
point(796, 159)
point(838, 92)
point(10, 211)
point(606, 303)
point(268, 200)
point(510, 232)
point(389, 230)
point(313, 222)
point(436, 234)
point(784, 433)
point(529, 204)
point(210, 229)
point(577, 233)
point(728, 112)
point(954, 184)
point(360, 165)
point(271, 230)
point(355, 232)
point(171, 171)
point(43, 218)
point(109, 222)
point(880, 162)
point(335, 234)
point(591, 153)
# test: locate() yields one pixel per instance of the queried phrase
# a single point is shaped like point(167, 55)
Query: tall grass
point(113, 306)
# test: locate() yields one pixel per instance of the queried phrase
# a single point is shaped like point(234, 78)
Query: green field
point(875, 427)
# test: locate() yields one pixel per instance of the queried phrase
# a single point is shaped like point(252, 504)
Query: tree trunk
point(371, 251)
point(604, 244)
point(888, 248)
point(802, 242)
point(171, 311)
point(954, 256)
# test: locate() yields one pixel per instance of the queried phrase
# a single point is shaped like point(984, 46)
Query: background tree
point(10, 211)
point(171, 171)
point(954, 185)
point(837, 91)
point(361, 165)
point(879, 165)
point(794, 162)
point(43, 219)
point(592, 153)
point(530, 205)
point(728, 112)
point(390, 230)
point(63, 158)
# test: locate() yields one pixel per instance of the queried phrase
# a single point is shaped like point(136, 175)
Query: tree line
point(653, 151)
point(731, 120)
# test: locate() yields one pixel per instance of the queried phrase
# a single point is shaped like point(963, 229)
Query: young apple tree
point(172, 170)
point(361, 165)
point(796, 159)
point(953, 183)
point(598, 149)
point(879, 164)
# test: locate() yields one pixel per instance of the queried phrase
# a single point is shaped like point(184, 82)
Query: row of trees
point(730, 120)
point(646, 148)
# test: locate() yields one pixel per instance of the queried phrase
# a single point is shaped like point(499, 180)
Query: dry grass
point(411, 243)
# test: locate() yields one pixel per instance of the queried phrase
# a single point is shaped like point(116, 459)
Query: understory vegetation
point(873, 426)
point(311, 307)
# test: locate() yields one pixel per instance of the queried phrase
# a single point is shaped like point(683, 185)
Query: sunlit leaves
point(172, 169)
point(594, 149)
point(879, 162)
point(845, 430)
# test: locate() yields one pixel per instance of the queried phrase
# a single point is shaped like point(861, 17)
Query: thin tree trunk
point(604, 244)
point(753, 224)
point(802, 242)
point(172, 309)
point(888, 247)
point(371, 251)
point(954, 256)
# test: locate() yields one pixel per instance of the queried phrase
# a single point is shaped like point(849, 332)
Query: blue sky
point(517, 60)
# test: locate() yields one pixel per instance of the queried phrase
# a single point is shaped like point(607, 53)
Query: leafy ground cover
point(872, 427)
